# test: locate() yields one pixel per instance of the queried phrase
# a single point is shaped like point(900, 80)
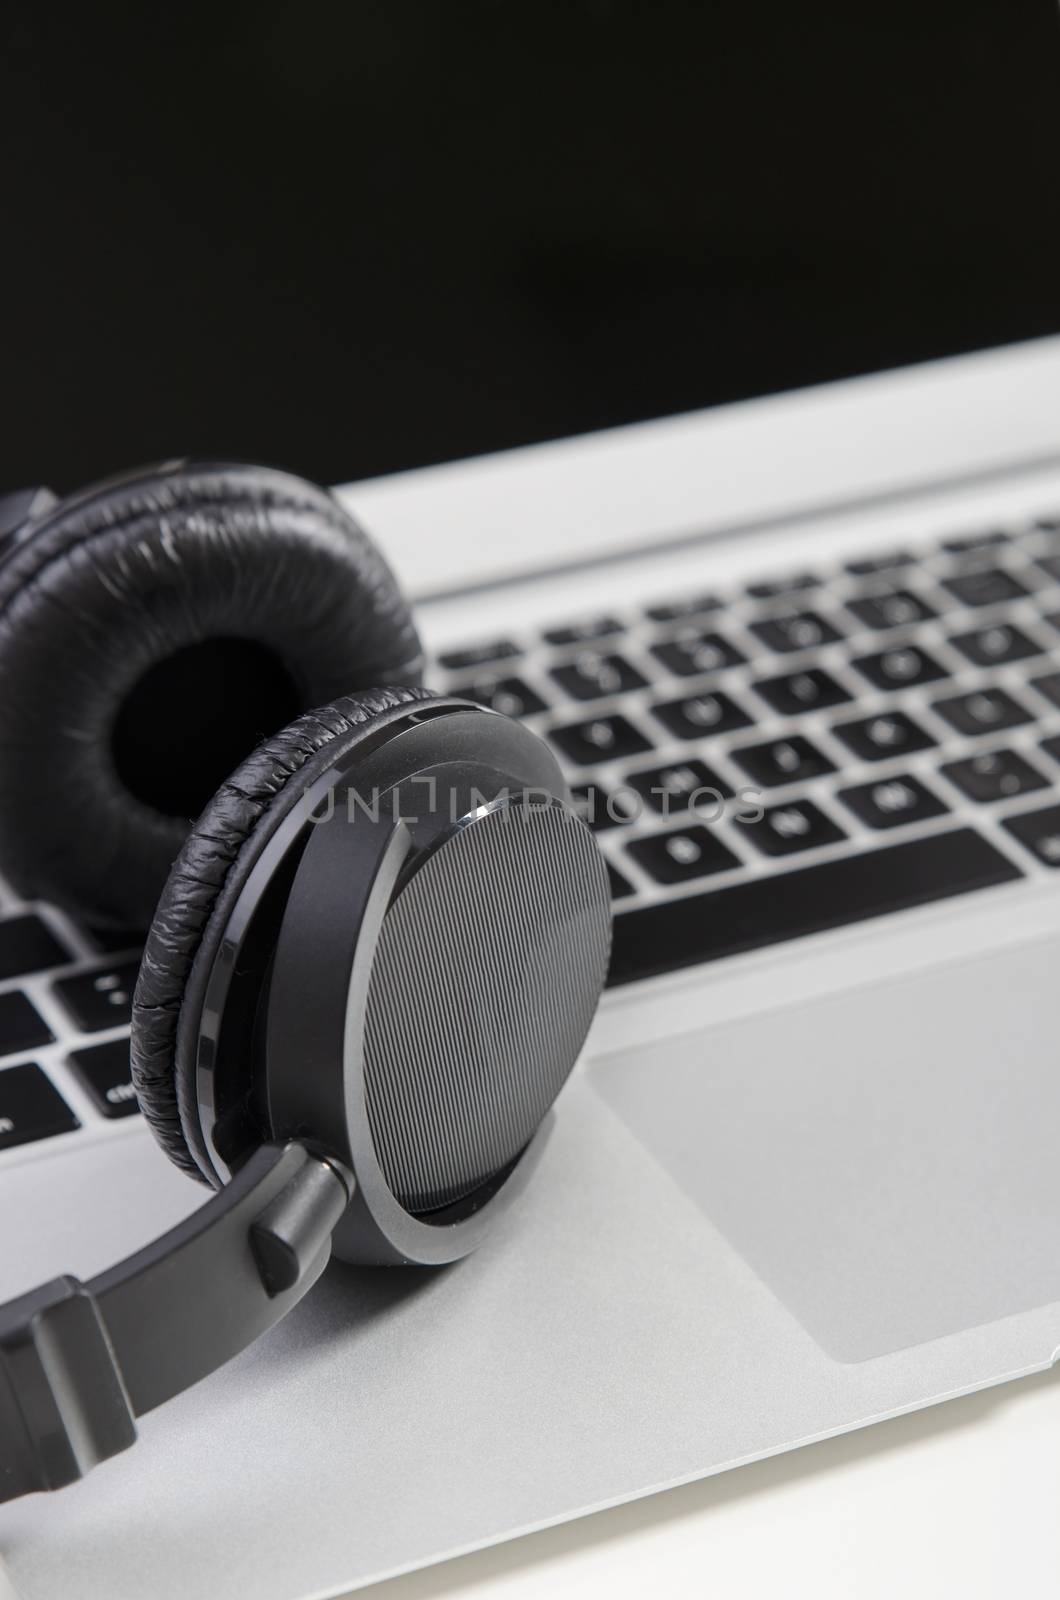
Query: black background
point(358, 239)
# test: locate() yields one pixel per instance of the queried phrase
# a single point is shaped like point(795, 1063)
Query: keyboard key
point(904, 667)
point(897, 609)
point(982, 711)
point(21, 1028)
point(782, 761)
point(510, 696)
point(985, 586)
point(477, 655)
point(1038, 832)
point(101, 998)
point(103, 1069)
point(803, 630)
point(681, 786)
point(688, 853)
point(884, 737)
point(592, 676)
point(621, 888)
point(994, 775)
point(794, 693)
point(703, 652)
point(602, 808)
point(30, 1107)
point(800, 825)
point(868, 566)
point(996, 646)
point(777, 588)
point(26, 945)
point(974, 541)
point(791, 905)
point(1050, 565)
point(1049, 686)
point(694, 605)
point(587, 628)
point(1052, 748)
point(893, 802)
point(116, 941)
point(701, 715)
point(602, 739)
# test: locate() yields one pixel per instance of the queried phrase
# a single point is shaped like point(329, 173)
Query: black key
point(20, 1026)
point(687, 853)
point(904, 667)
point(701, 715)
point(510, 696)
point(27, 946)
point(893, 802)
point(694, 605)
point(602, 808)
point(883, 737)
point(974, 541)
point(593, 676)
point(985, 586)
point(602, 739)
point(586, 628)
point(982, 711)
point(1051, 566)
point(783, 830)
point(101, 998)
point(796, 692)
point(477, 655)
point(782, 761)
point(897, 609)
point(776, 588)
point(996, 646)
point(702, 652)
point(995, 775)
point(681, 786)
point(802, 630)
point(116, 941)
point(621, 888)
point(868, 566)
point(30, 1107)
point(1049, 686)
point(103, 1069)
point(1038, 832)
point(791, 905)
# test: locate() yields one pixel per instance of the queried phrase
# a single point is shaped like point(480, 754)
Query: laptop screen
point(397, 234)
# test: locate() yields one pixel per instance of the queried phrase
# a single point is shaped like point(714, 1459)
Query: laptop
point(800, 658)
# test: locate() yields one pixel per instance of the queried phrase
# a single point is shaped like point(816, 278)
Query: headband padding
point(151, 633)
point(208, 875)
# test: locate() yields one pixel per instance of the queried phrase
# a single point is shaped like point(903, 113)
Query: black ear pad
point(152, 631)
point(208, 875)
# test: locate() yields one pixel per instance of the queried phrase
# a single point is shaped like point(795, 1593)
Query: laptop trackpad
point(887, 1160)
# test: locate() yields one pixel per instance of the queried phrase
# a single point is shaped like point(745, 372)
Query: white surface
point(960, 1500)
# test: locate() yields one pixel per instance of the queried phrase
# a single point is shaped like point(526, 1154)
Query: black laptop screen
point(386, 234)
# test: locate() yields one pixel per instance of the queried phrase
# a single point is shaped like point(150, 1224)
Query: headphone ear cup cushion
point(116, 584)
point(207, 876)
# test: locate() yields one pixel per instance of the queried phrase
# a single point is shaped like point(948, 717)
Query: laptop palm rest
point(886, 1159)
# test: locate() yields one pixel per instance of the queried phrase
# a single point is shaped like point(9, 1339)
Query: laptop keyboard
point(806, 752)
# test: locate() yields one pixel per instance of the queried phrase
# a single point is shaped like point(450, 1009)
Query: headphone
point(372, 962)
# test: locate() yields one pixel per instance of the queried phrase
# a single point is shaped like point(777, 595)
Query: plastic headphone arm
point(79, 1362)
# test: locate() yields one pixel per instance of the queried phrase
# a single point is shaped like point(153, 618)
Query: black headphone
point(376, 954)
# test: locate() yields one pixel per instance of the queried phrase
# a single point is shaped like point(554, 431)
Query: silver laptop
point(801, 659)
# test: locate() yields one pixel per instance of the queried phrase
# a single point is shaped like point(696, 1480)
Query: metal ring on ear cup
point(401, 972)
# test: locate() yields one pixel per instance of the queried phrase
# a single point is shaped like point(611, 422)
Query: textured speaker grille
point(486, 975)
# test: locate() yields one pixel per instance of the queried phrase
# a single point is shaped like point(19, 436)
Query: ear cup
point(151, 633)
point(209, 873)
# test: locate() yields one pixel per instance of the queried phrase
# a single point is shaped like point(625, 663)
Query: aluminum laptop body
point(806, 1175)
